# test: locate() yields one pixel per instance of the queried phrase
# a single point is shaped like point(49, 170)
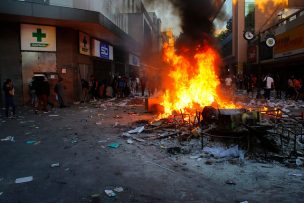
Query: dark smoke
point(196, 23)
point(196, 20)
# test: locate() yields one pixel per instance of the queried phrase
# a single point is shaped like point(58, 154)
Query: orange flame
point(194, 82)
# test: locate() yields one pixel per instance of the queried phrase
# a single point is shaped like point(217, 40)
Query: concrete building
point(241, 55)
point(71, 39)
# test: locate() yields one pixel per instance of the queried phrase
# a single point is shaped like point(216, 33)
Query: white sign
point(102, 50)
point(84, 44)
point(38, 38)
point(134, 60)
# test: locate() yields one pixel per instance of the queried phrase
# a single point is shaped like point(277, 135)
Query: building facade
point(71, 39)
point(241, 55)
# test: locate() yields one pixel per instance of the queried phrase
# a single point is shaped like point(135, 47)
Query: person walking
point(269, 85)
point(59, 93)
point(9, 92)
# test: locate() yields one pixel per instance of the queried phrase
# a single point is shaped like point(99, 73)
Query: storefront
point(38, 55)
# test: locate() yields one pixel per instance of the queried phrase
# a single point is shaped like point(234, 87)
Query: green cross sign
point(39, 35)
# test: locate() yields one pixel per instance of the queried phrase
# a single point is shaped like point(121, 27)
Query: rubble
point(114, 145)
point(8, 138)
point(55, 165)
point(110, 193)
point(24, 179)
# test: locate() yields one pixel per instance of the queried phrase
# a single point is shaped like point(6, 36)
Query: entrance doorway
point(35, 62)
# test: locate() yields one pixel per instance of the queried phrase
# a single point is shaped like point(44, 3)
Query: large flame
point(193, 81)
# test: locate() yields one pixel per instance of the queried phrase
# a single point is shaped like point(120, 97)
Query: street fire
point(194, 83)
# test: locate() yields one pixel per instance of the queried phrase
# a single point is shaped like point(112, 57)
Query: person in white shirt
point(269, 85)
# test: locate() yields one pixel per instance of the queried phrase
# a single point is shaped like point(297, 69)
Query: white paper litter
point(222, 152)
point(296, 174)
point(137, 130)
point(126, 135)
point(55, 165)
point(119, 189)
point(8, 138)
point(129, 141)
point(24, 179)
point(110, 193)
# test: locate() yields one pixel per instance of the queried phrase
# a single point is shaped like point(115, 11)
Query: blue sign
point(104, 51)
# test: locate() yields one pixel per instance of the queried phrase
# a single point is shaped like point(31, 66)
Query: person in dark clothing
point(85, 90)
point(42, 89)
point(93, 86)
point(59, 92)
point(9, 93)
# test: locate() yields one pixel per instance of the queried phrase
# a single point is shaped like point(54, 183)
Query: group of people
point(118, 86)
point(39, 90)
point(292, 87)
point(40, 93)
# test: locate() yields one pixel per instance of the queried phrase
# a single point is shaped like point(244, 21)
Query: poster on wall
point(134, 60)
point(38, 38)
point(102, 50)
point(84, 44)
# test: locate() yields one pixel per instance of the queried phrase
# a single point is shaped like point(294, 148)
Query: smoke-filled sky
point(190, 17)
point(177, 14)
point(165, 11)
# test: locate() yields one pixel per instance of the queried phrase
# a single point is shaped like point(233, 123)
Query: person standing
point(269, 85)
point(9, 92)
point(33, 92)
point(59, 93)
point(85, 90)
point(228, 84)
point(42, 89)
point(93, 87)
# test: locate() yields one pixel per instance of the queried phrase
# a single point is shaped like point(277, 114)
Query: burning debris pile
point(193, 105)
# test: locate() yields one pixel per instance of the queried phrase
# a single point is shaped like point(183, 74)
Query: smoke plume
point(195, 20)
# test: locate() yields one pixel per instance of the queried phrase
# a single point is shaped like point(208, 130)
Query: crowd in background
point(118, 86)
point(266, 86)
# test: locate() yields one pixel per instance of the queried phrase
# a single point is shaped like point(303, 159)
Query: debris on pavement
point(296, 174)
point(127, 135)
point(119, 189)
point(55, 165)
point(24, 179)
point(1, 193)
point(222, 152)
point(129, 141)
point(137, 130)
point(53, 115)
point(110, 193)
point(114, 145)
point(230, 182)
point(31, 142)
point(8, 138)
